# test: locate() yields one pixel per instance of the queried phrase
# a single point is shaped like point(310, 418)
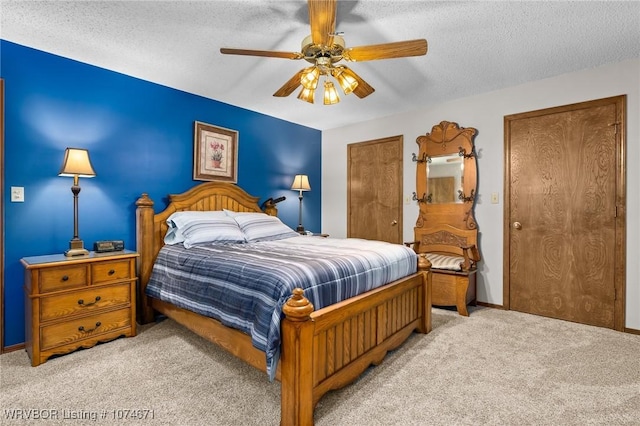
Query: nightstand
point(78, 302)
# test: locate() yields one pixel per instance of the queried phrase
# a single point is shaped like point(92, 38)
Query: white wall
point(486, 113)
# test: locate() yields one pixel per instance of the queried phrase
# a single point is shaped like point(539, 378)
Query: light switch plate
point(17, 194)
point(495, 198)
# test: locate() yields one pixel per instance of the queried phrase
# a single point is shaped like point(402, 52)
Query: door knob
point(517, 225)
point(395, 222)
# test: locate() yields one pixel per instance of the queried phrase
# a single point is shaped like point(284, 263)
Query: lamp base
point(76, 252)
point(76, 248)
point(300, 228)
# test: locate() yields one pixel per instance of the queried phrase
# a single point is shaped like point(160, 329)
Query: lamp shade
point(306, 95)
point(309, 78)
point(301, 183)
point(76, 163)
point(347, 82)
point(330, 94)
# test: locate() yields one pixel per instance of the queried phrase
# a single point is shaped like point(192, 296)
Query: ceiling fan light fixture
point(330, 94)
point(324, 48)
point(309, 78)
point(306, 94)
point(346, 82)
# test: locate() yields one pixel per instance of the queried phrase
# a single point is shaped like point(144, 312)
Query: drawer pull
point(81, 302)
point(65, 278)
point(81, 328)
point(112, 271)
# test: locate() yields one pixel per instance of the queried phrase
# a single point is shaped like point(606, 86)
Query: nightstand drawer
point(80, 302)
point(63, 277)
point(83, 328)
point(110, 271)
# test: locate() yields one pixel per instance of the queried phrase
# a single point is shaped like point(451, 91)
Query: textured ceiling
point(474, 46)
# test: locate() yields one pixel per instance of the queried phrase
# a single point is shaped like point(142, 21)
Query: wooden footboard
point(329, 348)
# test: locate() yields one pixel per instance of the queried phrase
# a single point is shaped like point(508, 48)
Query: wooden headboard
point(151, 227)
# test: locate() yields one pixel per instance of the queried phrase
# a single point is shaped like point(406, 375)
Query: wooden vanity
point(446, 230)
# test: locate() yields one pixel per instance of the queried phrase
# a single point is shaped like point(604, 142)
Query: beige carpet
point(494, 367)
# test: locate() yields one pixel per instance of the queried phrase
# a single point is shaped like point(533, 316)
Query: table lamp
point(300, 183)
point(76, 164)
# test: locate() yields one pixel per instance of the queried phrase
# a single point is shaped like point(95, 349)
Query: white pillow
point(192, 228)
point(231, 213)
point(173, 236)
point(178, 220)
point(262, 227)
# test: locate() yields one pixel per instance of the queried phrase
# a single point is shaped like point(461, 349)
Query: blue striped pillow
point(262, 227)
point(191, 228)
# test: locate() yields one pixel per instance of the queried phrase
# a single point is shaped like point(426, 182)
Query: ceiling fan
point(324, 48)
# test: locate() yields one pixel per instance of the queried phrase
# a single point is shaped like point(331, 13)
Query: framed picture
point(215, 153)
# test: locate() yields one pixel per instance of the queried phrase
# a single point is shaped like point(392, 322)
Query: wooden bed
point(321, 349)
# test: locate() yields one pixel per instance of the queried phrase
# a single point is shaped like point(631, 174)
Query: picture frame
point(215, 153)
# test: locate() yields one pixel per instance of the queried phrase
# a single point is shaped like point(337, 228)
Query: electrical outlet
point(17, 194)
point(495, 198)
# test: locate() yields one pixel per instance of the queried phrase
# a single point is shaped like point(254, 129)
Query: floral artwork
point(215, 153)
point(216, 156)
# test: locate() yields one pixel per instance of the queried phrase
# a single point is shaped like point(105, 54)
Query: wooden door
point(564, 229)
point(374, 190)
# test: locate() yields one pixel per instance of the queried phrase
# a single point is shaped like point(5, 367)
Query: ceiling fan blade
point(399, 49)
point(290, 85)
point(322, 18)
point(265, 53)
point(363, 89)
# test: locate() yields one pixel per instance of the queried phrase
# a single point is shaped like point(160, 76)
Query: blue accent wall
point(140, 139)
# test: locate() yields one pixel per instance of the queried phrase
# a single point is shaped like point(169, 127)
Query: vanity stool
point(453, 255)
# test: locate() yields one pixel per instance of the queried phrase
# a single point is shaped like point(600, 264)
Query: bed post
point(296, 362)
point(144, 246)
point(270, 208)
point(424, 266)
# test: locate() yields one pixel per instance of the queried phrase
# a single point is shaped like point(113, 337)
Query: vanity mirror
point(445, 179)
point(446, 175)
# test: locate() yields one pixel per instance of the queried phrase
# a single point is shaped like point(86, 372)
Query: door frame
point(621, 199)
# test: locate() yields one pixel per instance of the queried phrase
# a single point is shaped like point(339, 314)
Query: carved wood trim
point(445, 133)
point(443, 238)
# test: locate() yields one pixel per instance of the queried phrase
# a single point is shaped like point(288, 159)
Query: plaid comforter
point(245, 285)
